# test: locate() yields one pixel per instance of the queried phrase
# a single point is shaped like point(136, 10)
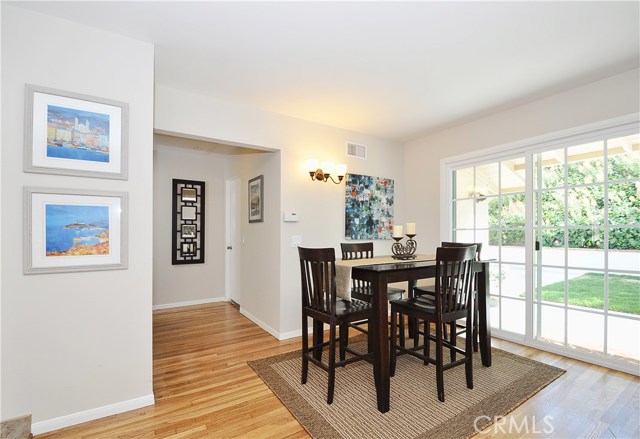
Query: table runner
point(343, 270)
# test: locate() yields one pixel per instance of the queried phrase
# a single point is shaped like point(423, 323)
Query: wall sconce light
point(324, 172)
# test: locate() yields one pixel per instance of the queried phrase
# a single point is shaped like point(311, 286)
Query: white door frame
point(233, 239)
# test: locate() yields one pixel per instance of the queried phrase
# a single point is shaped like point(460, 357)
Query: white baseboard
point(260, 323)
point(290, 334)
point(190, 303)
point(270, 330)
point(90, 415)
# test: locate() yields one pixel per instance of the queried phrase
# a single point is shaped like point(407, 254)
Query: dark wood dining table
point(380, 275)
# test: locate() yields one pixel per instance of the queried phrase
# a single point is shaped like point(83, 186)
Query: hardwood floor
point(204, 389)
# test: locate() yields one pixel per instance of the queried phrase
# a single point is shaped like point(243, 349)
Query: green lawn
point(588, 291)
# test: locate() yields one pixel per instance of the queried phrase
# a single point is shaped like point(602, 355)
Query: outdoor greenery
point(588, 291)
point(585, 209)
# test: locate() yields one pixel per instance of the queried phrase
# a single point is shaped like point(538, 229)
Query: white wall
point(189, 283)
point(606, 99)
point(320, 205)
point(75, 344)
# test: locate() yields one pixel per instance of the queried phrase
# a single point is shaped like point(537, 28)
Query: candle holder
point(404, 251)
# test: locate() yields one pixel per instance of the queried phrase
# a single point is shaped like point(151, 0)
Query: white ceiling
point(396, 70)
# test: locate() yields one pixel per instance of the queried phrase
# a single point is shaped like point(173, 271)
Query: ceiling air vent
point(355, 150)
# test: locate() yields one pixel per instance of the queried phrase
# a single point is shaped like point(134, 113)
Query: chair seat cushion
point(429, 291)
point(344, 307)
point(424, 302)
point(425, 291)
point(366, 293)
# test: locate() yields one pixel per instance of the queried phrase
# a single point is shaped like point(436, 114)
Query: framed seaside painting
point(256, 199)
point(74, 230)
point(72, 134)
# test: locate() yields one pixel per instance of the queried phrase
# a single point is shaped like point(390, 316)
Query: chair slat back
point(463, 244)
point(318, 277)
point(357, 250)
point(454, 279)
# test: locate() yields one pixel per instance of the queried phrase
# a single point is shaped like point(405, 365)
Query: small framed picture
point(189, 231)
point(188, 212)
point(72, 134)
point(256, 199)
point(74, 230)
point(188, 194)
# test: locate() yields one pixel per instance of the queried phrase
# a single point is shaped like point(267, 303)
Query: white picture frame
point(74, 134)
point(70, 230)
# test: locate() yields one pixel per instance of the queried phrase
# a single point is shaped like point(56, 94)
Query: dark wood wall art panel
point(188, 222)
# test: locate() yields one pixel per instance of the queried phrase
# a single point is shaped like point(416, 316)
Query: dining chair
point(319, 302)
point(361, 289)
point(453, 301)
point(457, 328)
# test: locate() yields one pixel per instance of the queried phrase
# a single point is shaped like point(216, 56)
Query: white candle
point(397, 231)
point(411, 228)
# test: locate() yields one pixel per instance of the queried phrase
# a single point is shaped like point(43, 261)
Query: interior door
point(234, 241)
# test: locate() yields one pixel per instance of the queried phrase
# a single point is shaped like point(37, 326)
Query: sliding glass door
point(563, 224)
point(489, 208)
point(587, 227)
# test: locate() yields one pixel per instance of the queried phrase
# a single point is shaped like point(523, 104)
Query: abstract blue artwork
point(368, 207)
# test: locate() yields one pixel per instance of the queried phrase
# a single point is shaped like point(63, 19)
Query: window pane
point(551, 288)
point(463, 214)
point(586, 205)
point(513, 312)
point(493, 211)
point(585, 331)
point(494, 311)
point(624, 203)
point(512, 175)
point(489, 251)
point(463, 182)
point(624, 248)
point(586, 163)
point(592, 238)
point(585, 258)
point(552, 207)
point(620, 335)
point(624, 294)
point(512, 281)
point(551, 323)
point(552, 246)
point(487, 178)
point(482, 213)
point(624, 157)
point(494, 278)
point(585, 289)
point(551, 166)
point(463, 236)
point(512, 211)
point(513, 245)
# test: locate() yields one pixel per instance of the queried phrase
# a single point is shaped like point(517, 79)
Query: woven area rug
point(415, 410)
